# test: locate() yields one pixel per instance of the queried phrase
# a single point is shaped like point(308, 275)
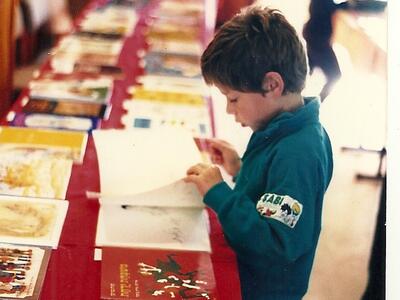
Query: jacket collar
point(287, 122)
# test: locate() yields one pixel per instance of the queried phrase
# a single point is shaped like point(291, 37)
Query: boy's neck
point(291, 102)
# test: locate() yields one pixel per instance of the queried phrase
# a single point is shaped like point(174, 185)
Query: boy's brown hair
point(254, 42)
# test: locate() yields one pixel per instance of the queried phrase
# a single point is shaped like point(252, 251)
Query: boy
point(272, 217)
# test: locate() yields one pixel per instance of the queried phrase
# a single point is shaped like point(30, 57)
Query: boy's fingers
point(196, 169)
point(191, 178)
point(216, 159)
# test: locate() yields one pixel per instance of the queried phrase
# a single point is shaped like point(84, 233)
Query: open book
point(144, 201)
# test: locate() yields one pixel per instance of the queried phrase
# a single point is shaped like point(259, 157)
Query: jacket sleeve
point(251, 233)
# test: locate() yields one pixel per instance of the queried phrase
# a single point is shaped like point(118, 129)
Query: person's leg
point(330, 66)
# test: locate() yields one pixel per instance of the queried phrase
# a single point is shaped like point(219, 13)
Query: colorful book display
point(22, 271)
point(158, 210)
point(156, 274)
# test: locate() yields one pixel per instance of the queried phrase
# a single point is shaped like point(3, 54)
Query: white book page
point(176, 194)
point(153, 227)
point(133, 161)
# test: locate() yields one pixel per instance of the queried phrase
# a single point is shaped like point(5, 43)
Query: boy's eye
point(232, 100)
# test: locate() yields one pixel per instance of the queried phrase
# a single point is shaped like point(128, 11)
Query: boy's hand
point(203, 176)
point(222, 153)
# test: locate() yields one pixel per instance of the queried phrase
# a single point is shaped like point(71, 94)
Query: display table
point(73, 273)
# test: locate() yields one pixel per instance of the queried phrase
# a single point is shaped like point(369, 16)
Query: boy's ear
point(273, 83)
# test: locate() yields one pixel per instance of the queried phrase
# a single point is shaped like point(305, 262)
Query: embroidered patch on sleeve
point(282, 208)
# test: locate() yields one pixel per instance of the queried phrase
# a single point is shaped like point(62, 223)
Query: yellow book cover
point(166, 96)
point(58, 143)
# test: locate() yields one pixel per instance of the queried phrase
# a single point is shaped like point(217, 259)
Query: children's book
point(142, 113)
point(62, 144)
point(73, 44)
point(31, 221)
point(162, 227)
point(144, 200)
point(188, 47)
point(156, 274)
point(67, 108)
point(133, 161)
point(33, 173)
point(165, 31)
point(85, 90)
point(174, 84)
point(35, 120)
point(187, 66)
point(23, 269)
point(75, 50)
point(140, 92)
point(113, 22)
point(111, 71)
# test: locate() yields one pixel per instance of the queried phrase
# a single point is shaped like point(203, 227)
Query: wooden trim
point(7, 12)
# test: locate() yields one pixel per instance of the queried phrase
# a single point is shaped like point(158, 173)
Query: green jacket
point(272, 217)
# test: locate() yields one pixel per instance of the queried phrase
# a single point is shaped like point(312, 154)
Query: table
point(73, 274)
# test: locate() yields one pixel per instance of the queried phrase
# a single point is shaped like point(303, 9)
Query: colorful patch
point(282, 208)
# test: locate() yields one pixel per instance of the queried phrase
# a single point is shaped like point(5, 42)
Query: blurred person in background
point(318, 34)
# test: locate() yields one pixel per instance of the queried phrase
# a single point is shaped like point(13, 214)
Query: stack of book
point(74, 92)
point(171, 92)
point(153, 227)
point(35, 168)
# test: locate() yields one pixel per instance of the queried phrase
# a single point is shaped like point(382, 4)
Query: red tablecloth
point(73, 274)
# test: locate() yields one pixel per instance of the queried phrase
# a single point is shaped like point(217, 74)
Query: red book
point(133, 273)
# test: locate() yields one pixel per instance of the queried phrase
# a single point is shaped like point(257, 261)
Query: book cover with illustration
point(66, 108)
point(154, 114)
point(62, 144)
point(156, 274)
point(158, 63)
point(140, 92)
point(33, 173)
point(35, 120)
point(23, 269)
point(110, 22)
point(31, 221)
point(85, 90)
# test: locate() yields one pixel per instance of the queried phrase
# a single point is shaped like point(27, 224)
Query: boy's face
point(250, 109)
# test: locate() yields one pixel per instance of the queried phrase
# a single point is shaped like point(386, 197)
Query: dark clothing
point(272, 218)
point(318, 32)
